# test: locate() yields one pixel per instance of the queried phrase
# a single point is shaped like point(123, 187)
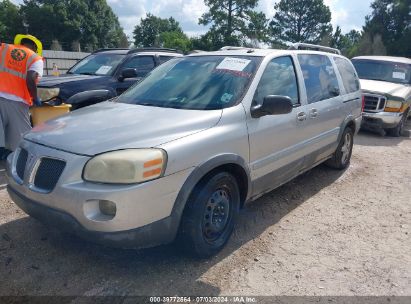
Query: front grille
point(21, 163)
point(374, 103)
point(48, 173)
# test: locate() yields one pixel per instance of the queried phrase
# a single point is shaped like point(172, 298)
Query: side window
point(348, 75)
point(319, 77)
point(165, 58)
point(279, 78)
point(143, 64)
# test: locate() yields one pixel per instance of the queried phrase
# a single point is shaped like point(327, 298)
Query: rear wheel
point(210, 213)
point(342, 156)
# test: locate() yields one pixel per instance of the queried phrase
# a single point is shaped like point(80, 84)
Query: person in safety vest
point(20, 69)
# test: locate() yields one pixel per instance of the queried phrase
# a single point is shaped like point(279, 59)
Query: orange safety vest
point(15, 61)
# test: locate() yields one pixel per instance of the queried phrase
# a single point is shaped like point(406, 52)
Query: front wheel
point(209, 216)
point(342, 156)
point(397, 131)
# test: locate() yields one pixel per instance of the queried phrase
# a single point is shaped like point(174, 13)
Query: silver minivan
point(180, 153)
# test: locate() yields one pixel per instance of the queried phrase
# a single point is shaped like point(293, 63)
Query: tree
point(175, 40)
point(147, 33)
point(210, 41)
point(90, 23)
point(392, 20)
point(300, 21)
point(257, 28)
point(231, 20)
point(11, 21)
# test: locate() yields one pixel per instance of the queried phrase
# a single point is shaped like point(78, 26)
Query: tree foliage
point(11, 22)
point(233, 21)
point(175, 40)
point(148, 32)
point(391, 19)
point(90, 23)
point(300, 21)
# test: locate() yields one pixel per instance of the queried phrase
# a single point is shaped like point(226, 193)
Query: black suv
point(102, 75)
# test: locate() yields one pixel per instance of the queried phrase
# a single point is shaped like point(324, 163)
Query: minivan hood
point(385, 88)
point(112, 126)
point(52, 81)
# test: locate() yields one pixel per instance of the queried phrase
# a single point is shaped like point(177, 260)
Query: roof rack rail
point(307, 46)
point(153, 49)
point(110, 49)
point(232, 48)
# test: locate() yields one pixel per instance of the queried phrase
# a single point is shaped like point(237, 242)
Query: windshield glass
point(97, 64)
point(383, 71)
point(203, 83)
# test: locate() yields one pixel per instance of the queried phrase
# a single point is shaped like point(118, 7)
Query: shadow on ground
point(37, 260)
point(369, 138)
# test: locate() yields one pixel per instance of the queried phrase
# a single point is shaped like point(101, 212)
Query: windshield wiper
point(87, 73)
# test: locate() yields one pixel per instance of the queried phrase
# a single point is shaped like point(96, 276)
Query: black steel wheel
point(210, 213)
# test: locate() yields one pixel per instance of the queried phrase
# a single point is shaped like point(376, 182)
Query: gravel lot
point(325, 233)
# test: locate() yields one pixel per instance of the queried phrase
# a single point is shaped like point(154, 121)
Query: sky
point(348, 14)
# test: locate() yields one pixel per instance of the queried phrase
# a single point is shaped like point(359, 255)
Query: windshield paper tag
point(103, 70)
point(233, 64)
point(398, 75)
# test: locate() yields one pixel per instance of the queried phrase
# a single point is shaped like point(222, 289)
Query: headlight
point(47, 94)
point(393, 106)
point(126, 166)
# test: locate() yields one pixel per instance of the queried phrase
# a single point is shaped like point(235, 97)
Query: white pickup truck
point(386, 86)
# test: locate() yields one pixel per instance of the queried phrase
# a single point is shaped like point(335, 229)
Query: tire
point(342, 156)
point(206, 226)
point(397, 131)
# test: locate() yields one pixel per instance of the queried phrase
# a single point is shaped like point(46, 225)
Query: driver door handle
point(301, 116)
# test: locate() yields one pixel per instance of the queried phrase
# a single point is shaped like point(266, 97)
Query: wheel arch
point(95, 95)
point(348, 122)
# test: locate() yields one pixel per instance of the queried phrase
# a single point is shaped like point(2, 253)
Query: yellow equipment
point(47, 112)
point(20, 37)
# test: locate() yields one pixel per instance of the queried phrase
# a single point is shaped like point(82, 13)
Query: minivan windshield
point(97, 64)
point(198, 82)
point(383, 70)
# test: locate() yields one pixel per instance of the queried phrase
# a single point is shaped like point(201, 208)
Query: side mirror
point(128, 73)
point(273, 105)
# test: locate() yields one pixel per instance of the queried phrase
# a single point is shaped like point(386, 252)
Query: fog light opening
point(107, 208)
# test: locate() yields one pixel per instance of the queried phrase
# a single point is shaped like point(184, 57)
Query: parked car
point(386, 85)
point(102, 75)
point(178, 154)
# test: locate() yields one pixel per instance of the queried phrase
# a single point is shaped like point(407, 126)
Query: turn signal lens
point(393, 106)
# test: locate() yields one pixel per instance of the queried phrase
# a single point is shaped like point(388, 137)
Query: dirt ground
point(325, 233)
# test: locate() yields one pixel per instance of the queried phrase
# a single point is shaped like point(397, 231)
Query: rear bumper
point(154, 234)
point(381, 120)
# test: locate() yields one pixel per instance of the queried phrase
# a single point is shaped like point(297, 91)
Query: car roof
point(259, 52)
point(385, 58)
point(149, 51)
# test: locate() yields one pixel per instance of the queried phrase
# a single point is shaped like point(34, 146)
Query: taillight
point(363, 103)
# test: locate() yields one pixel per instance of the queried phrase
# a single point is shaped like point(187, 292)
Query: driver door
point(275, 140)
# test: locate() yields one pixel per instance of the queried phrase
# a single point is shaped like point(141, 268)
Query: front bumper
point(144, 211)
point(380, 120)
point(154, 234)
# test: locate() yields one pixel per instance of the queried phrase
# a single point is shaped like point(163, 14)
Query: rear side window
point(143, 64)
point(279, 78)
point(319, 77)
point(348, 75)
